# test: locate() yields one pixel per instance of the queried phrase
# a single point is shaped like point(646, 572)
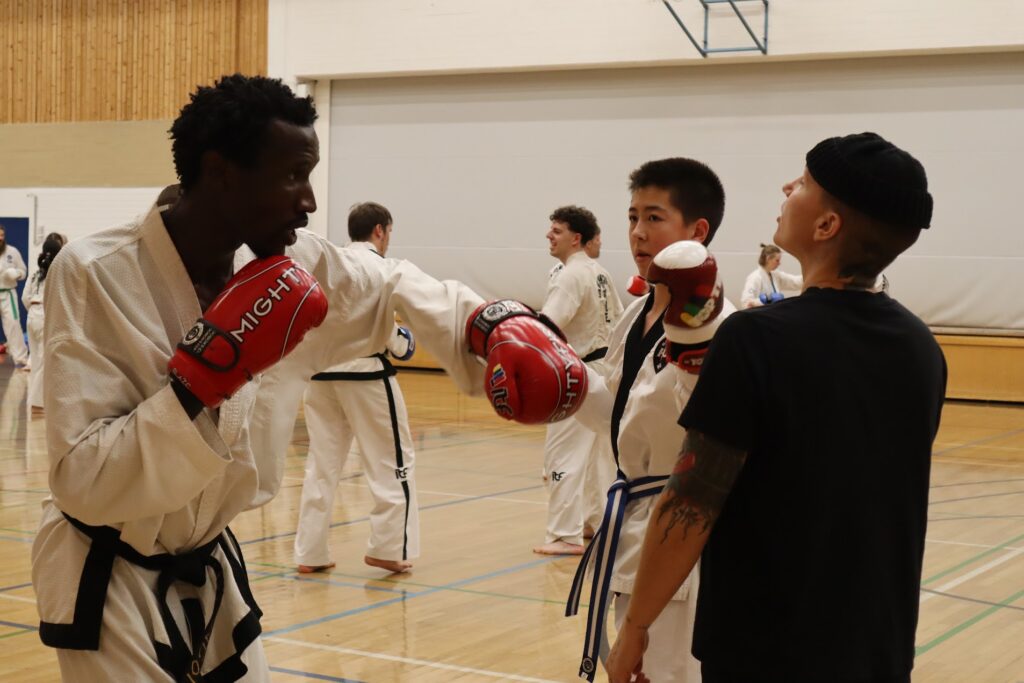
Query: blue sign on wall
point(16, 229)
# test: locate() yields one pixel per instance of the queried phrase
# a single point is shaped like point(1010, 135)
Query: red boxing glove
point(694, 313)
point(532, 376)
point(263, 312)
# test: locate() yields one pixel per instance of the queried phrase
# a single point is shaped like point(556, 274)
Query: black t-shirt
point(813, 570)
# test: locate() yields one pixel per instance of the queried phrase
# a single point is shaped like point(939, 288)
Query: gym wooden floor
point(479, 605)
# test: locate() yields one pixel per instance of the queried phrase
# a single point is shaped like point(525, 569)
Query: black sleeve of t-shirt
point(724, 403)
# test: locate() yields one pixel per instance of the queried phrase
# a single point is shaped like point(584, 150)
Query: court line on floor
point(398, 582)
point(408, 596)
point(290, 534)
point(314, 676)
point(16, 586)
point(16, 539)
point(406, 660)
point(964, 625)
point(306, 578)
point(974, 573)
point(972, 560)
point(978, 601)
point(972, 545)
point(978, 442)
point(978, 497)
point(976, 483)
point(14, 624)
point(17, 598)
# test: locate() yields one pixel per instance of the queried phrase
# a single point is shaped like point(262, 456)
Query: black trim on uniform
point(387, 371)
point(177, 658)
point(596, 354)
point(638, 345)
point(401, 463)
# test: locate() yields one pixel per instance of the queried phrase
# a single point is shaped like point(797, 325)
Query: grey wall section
point(471, 166)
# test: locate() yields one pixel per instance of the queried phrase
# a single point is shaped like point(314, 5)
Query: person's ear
point(701, 229)
point(828, 226)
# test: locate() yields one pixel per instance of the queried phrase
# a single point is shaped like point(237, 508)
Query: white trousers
point(35, 345)
point(567, 448)
point(598, 477)
point(10, 317)
point(373, 413)
point(668, 658)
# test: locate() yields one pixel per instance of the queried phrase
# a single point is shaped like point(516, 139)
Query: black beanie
point(875, 177)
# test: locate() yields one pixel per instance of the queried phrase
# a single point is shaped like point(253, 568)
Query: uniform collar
point(365, 246)
point(578, 256)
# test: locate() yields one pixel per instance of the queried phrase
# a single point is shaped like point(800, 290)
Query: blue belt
point(606, 542)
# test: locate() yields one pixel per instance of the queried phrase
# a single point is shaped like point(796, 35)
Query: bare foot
point(314, 569)
point(393, 566)
point(559, 548)
point(588, 531)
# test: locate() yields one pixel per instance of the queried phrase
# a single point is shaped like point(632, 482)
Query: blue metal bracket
point(760, 45)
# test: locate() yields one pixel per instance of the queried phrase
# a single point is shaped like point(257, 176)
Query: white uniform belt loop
point(606, 542)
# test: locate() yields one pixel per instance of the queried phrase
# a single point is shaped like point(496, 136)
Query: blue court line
point(17, 625)
point(470, 499)
point(407, 596)
point(308, 674)
point(978, 442)
point(292, 576)
point(12, 588)
point(19, 539)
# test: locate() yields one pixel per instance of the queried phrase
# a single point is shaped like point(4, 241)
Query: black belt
point(387, 371)
point(596, 354)
point(182, 662)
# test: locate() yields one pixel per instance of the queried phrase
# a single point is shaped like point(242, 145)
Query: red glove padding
point(691, 275)
point(263, 312)
point(532, 376)
point(637, 286)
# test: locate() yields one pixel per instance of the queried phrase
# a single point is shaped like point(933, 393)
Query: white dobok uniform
point(133, 550)
point(32, 297)
point(583, 303)
point(360, 400)
point(763, 282)
point(638, 399)
point(12, 271)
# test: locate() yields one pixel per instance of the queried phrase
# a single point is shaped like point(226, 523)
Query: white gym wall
point(472, 164)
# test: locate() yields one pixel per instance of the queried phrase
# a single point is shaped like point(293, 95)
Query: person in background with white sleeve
point(583, 304)
point(765, 285)
point(361, 400)
point(32, 297)
point(12, 271)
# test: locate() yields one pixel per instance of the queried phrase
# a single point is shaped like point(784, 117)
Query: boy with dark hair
point(829, 488)
point(631, 404)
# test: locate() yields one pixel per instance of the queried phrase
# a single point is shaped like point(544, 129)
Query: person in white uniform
point(170, 427)
point(636, 402)
point(766, 284)
point(12, 271)
point(32, 297)
point(583, 304)
point(361, 400)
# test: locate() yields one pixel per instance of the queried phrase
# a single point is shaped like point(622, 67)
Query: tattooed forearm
point(700, 483)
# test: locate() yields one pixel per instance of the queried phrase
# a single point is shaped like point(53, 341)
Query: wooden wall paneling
point(104, 60)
